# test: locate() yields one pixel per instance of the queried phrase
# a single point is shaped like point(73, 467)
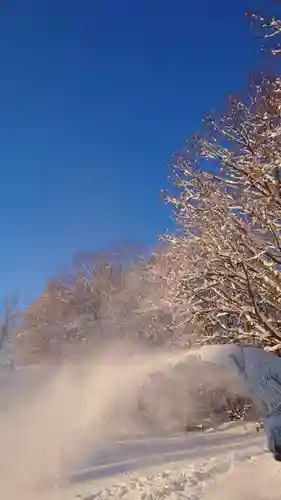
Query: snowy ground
point(221, 465)
point(226, 466)
point(131, 454)
point(191, 480)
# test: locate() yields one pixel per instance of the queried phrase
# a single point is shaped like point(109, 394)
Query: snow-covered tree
point(222, 278)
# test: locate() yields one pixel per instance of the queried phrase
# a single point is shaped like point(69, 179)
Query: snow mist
point(55, 416)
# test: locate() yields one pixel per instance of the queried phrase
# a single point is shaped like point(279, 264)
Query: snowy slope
point(189, 469)
point(193, 480)
point(128, 455)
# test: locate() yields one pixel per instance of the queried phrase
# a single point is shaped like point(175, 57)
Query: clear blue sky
point(96, 95)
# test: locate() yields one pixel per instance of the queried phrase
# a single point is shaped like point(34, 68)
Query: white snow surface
point(239, 475)
point(237, 467)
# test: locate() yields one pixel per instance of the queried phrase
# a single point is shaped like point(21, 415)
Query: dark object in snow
point(259, 426)
point(194, 428)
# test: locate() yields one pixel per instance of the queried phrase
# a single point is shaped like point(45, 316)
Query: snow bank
point(197, 480)
point(255, 479)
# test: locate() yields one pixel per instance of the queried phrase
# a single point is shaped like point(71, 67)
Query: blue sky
point(96, 95)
